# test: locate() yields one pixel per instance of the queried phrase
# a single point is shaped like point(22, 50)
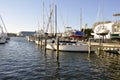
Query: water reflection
point(51, 65)
point(22, 60)
point(80, 66)
point(111, 65)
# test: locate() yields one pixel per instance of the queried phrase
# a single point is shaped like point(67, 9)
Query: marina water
point(23, 60)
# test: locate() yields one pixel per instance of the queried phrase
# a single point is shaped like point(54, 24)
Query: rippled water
point(23, 60)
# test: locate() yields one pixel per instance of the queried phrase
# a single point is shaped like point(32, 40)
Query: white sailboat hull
point(70, 48)
point(2, 40)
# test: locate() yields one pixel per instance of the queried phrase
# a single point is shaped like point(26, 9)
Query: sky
point(27, 15)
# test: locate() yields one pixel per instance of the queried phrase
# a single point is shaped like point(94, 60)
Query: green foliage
point(87, 32)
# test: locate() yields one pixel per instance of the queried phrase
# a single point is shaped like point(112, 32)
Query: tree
point(87, 32)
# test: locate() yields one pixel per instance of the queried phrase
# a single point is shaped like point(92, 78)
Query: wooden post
point(57, 50)
point(57, 67)
point(57, 45)
point(39, 40)
point(89, 48)
point(99, 46)
point(45, 44)
point(41, 43)
point(45, 41)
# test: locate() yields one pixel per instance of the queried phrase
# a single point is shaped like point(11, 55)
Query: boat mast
point(53, 7)
point(51, 21)
point(80, 19)
point(1, 28)
point(56, 20)
point(3, 24)
point(43, 17)
point(52, 18)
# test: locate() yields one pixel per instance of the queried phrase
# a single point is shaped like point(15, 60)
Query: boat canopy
point(79, 33)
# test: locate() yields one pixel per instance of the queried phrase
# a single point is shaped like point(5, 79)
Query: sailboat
point(69, 45)
point(2, 36)
point(100, 29)
point(40, 32)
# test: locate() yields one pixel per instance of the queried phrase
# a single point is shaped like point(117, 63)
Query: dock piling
point(89, 46)
point(46, 34)
point(57, 44)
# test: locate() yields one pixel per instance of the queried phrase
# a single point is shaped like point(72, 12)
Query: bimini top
point(79, 33)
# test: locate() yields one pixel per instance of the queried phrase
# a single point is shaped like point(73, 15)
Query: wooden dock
point(113, 47)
